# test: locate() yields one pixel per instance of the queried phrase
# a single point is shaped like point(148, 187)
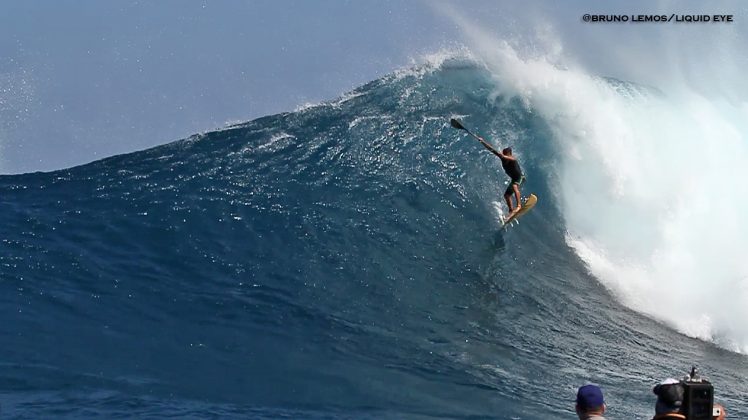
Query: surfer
point(511, 167)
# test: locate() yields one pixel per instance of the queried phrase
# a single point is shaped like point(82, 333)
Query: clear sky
point(85, 79)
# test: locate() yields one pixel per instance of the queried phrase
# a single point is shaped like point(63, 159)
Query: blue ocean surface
point(342, 261)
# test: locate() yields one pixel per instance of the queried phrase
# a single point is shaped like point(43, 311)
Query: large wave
point(331, 258)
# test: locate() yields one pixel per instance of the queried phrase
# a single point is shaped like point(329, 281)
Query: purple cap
point(590, 396)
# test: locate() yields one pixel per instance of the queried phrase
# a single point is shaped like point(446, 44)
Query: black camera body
point(698, 397)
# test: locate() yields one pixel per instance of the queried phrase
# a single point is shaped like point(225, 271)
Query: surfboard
point(527, 204)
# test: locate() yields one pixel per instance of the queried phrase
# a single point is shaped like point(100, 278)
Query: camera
point(691, 397)
point(698, 397)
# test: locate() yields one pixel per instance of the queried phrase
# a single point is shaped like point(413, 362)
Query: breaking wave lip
point(636, 208)
point(632, 202)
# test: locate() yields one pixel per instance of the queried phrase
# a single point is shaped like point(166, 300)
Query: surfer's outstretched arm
point(489, 147)
point(501, 155)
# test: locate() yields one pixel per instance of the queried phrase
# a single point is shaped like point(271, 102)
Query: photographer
point(669, 400)
point(689, 399)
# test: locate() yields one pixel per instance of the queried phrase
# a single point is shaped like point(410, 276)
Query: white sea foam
point(277, 141)
point(652, 188)
point(421, 65)
point(335, 103)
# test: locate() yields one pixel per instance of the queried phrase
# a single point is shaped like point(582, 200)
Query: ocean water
point(346, 261)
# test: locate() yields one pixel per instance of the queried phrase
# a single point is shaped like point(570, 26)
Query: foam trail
point(651, 186)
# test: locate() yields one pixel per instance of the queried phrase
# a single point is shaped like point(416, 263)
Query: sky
point(87, 79)
point(82, 80)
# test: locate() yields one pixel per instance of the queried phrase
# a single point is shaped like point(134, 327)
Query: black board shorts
point(510, 188)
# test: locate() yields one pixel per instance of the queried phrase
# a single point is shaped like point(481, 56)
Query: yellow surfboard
point(527, 205)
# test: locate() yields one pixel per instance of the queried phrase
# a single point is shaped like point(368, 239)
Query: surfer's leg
point(515, 187)
point(508, 198)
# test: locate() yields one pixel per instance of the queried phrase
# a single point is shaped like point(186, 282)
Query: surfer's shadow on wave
point(497, 244)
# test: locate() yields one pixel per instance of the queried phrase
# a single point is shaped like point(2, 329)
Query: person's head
point(590, 401)
point(507, 151)
point(669, 397)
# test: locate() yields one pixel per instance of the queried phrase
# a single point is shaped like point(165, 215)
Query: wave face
point(345, 260)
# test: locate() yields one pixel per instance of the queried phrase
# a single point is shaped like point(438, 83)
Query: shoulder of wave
point(334, 103)
point(423, 65)
point(418, 67)
point(232, 125)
